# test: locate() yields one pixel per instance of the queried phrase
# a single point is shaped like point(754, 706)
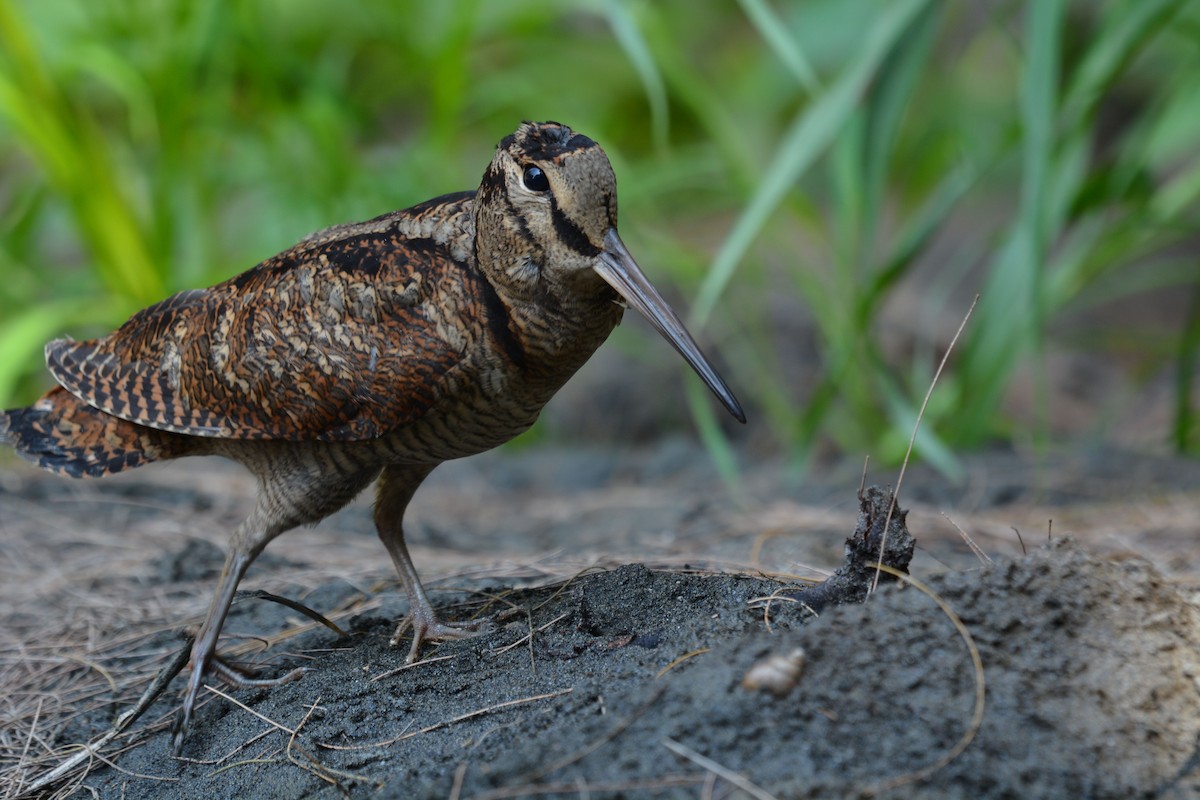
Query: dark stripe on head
point(546, 141)
point(570, 233)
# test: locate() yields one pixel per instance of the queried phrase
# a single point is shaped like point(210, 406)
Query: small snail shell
point(777, 674)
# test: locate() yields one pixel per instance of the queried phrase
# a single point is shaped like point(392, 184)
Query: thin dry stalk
point(212, 762)
point(446, 723)
point(766, 601)
point(247, 708)
point(460, 775)
point(529, 636)
point(980, 689)
point(680, 660)
point(712, 766)
point(315, 767)
point(37, 714)
point(912, 440)
point(399, 669)
point(976, 549)
point(132, 774)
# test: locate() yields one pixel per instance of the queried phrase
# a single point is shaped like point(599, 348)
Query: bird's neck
point(559, 332)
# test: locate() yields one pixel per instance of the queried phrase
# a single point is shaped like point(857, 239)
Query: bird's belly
point(482, 405)
point(455, 431)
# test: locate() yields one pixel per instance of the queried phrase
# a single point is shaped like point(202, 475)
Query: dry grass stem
point(715, 768)
point(446, 723)
point(313, 766)
point(247, 708)
point(403, 667)
point(980, 689)
point(976, 549)
point(680, 660)
point(529, 636)
point(766, 601)
point(212, 762)
point(912, 440)
point(460, 775)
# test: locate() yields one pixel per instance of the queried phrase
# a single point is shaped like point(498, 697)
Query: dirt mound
point(634, 676)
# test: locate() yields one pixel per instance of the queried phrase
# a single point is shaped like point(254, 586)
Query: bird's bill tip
point(618, 269)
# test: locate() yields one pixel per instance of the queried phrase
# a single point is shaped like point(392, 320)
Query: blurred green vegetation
point(822, 148)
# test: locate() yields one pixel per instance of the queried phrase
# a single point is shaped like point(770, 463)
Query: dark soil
point(634, 675)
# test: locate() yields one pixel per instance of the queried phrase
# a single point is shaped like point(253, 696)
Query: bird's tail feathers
point(63, 434)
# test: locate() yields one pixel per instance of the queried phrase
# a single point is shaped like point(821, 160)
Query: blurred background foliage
point(825, 184)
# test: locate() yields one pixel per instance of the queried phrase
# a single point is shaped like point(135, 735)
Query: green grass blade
point(810, 134)
point(719, 448)
point(637, 49)
point(74, 156)
point(1128, 27)
point(897, 81)
point(786, 48)
point(1186, 432)
point(1011, 310)
point(24, 335)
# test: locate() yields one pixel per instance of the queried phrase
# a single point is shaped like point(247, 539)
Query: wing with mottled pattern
point(337, 340)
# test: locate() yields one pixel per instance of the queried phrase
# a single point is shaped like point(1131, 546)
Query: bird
point(368, 353)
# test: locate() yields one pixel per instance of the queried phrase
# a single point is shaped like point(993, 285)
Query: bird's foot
point(242, 677)
point(234, 676)
point(428, 626)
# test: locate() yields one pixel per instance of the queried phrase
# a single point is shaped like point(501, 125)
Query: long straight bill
point(621, 272)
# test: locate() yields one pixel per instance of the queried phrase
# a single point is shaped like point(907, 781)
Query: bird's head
point(546, 227)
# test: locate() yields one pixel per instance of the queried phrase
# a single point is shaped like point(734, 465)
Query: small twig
point(212, 762)
point(132, 774)
point(37, 715)
point(529, 636)
point(92, 665)
point(245, 707)
point(156, 688)
point(446, 723)
point(460, 776)
point(976, 549)
point(488, 710)
point(912, 440)
point(712, 766)
point(1024, 552)
point(765, 602)
point(980, 688)
point(422, 662)
point(315, 767)
point(568, 582)
point(680, 660)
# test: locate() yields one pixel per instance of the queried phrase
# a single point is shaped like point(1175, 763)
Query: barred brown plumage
point(374, 350)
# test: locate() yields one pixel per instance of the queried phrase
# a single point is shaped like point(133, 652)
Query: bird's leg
point(396, 488)
point(246, 543)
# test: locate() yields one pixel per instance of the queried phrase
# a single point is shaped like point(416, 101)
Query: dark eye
point(535, 180)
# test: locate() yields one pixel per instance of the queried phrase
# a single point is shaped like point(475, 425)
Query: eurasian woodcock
point(369, 352)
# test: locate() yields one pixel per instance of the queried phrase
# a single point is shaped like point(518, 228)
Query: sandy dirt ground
point(1060, 661)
